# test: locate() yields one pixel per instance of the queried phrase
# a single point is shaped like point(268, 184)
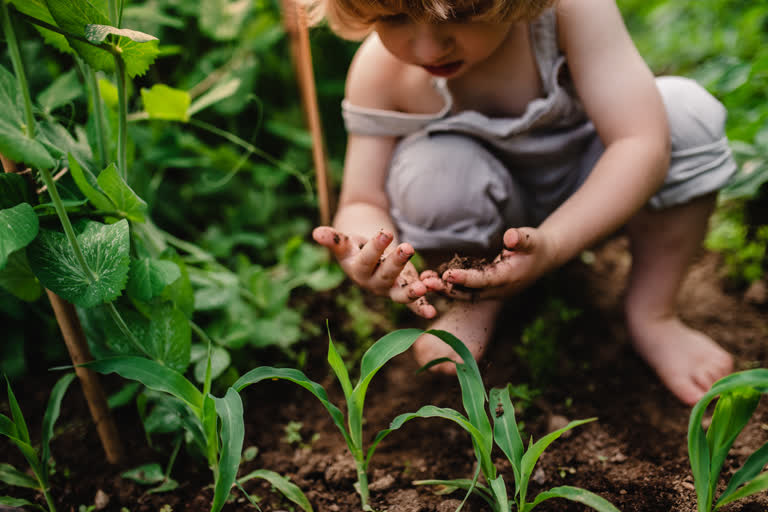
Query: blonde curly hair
point(354, 19)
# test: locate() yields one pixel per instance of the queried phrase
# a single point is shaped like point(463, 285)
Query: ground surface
point(635, 455)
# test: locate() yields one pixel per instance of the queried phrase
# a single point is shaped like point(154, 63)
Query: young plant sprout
point(505, 434)
point(15, 429)
point(739, 394)
point(380, 353)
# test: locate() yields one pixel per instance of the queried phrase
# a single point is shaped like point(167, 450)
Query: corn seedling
point(505, 434)
point(215, 425)
point(739, 394)
point(380, 353)
point(15, 429)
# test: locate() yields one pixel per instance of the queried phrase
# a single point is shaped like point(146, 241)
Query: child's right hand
point(391, 274)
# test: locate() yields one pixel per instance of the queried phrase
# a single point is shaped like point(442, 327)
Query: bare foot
point(687, 361)
point(470, 322)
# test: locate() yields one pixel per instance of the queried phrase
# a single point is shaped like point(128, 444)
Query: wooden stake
point(295, 23)
point(74, 338)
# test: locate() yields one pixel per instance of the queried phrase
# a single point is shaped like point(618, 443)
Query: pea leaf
point(13, 190)
point(17, 278)
point(149, 277)
point(166, 103)
point(39, 9)
point(88, 185)
point(105, 249)
point(18, 227)
point(15, 145)
point(62, 90)
point(170, 337)
point(126, 201)
point(10, 98)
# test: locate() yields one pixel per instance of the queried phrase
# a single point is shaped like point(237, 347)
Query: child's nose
point(430, 44)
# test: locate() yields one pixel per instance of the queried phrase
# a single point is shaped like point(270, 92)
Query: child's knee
point(448, 191)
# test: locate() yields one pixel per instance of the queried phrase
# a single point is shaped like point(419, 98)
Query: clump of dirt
point(464, 263)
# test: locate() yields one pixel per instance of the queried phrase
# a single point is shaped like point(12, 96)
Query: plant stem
point(18, 68)
point(122, 111)
point(114, 16)
point(98, 114)
point(115, 314)
point(49, 500)
point(362, 482)
point(66, 224)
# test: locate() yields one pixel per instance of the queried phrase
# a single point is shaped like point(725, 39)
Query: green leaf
point(51, 415)
point(98, 33)
point(449, 486)
point(751, 468)
point(266, 372)
point(218, 93)
point(166, 103)
point(105, 249)
point(583, 496)
point(500, 493)
point(282, 484)
point(39, 10)
point(17, 278)
point(505, 431)
point(14, 144)
point(230, 410)
point(170, 337)
point(18, 503)
point(72, 16)
point(18, 417)
point(18, 227)
point(127, 203)
point(220, 361)
point(223, 19)
point(153, 375)
point(757, 485)
point(148, 474)
point(149, 277)
point(63, 90)
point(14, 190)
point(87, 184)
point(12, 476)
point(8, 428)
point(11, 100)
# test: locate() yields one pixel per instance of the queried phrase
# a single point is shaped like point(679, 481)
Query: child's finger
point(337, 242)
point(471, 278)
point(370, 254)
point(393, 264)
point(406, 292)
point(423, 308)
point(520, 239)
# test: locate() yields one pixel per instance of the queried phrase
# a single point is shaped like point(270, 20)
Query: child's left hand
point(527, 255)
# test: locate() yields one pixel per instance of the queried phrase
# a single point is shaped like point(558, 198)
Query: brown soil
point(462, 262)
point(635, 455)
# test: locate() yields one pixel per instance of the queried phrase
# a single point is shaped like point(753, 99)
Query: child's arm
point(362, 238)
point(620, 96)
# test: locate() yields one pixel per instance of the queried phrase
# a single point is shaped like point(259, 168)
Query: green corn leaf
point(15, 145)
point(282, 484)
point(51, 415)
point(698, 450)
point(126, 201)
point(500, 494)
point(759, 484)
point(17, 278)
point(105, 248)
point(473, 398)
point(583, 496)
point(87, 184)
point(153, 375)
point(18, 503)
point(230, 410)
point(449, 486)
point(12, 476)
point(210, 419)
point(429, 411)
point(339, 368)
point(751, 468)
point(8, 428)
point(17, 416)
point(166, 103)
point(505, 431)
point(18, 227)
point(39, 9)
point(531, 456)
point(62, 91)
point(148, 474)
point(13, 190)
point(149, 277)
point(732, 412)
point(266, 372)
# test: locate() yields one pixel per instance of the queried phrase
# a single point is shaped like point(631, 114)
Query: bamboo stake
point(74, 338)
point(295, 23)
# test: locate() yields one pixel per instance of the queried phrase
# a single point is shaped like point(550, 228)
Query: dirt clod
point(462, 262)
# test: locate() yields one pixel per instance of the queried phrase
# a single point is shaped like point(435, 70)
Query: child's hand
point(527, 255)
point(390, 274)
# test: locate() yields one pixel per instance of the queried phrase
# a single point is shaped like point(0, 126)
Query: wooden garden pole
point(74, 338)
point(295, 23)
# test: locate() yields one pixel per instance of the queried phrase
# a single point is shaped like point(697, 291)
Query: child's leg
point(448, 194)
point(663, 243)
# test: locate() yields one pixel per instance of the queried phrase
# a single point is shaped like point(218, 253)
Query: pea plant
point(375, 357)
point(15, 429)
point(737, 397)
point(505, 434)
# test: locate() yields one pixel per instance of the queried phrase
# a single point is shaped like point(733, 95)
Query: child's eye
point(394, 19)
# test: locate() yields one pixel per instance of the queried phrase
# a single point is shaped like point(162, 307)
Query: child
point(528, 130)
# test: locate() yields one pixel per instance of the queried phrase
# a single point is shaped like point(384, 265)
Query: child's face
point(446, 49)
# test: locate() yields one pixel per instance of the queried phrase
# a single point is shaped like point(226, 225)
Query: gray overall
point(458, 180)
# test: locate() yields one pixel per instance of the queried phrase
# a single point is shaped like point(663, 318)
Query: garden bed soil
point(634, 455)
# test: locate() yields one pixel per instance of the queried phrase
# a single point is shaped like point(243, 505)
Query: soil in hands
point(634, 455)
